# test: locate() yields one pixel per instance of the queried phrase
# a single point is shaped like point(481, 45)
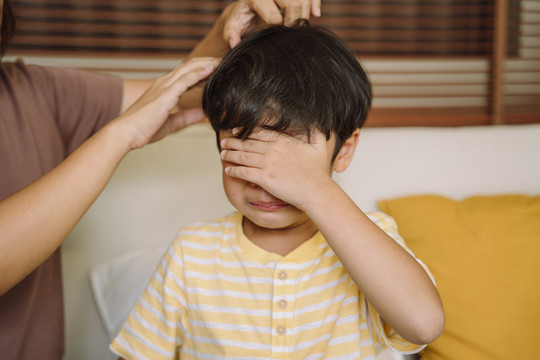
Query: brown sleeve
point(82, 101)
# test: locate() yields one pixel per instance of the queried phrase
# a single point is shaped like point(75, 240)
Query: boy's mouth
point(268, 205)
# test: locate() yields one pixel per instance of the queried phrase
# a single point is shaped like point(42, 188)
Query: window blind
point(432, 62)
point(520, 72)
point(380, 27)
point(128, 27)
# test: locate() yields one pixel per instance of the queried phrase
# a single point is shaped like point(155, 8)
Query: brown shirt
point(45, 114)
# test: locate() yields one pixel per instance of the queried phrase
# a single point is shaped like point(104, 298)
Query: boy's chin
point(268, 222)
point(278, 221)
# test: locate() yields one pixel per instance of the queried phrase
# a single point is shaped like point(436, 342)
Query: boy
point(299, 271)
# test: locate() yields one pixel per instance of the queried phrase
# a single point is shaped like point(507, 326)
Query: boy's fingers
point(242, 172)
point(258, 140)
point(242, 158)
point(253, 146)
point(261, 134)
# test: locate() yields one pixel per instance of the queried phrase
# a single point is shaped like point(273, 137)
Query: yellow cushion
point(484, 253)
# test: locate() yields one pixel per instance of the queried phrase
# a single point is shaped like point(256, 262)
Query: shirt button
point(282, 304)
point(282, 275)
point(280, 330)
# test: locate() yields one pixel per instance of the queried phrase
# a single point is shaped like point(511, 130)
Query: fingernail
point(227, 170)
point(235, 131)
point(222, 154)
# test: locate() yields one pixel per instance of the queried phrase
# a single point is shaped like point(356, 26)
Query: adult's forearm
point(35, 221)
point(213, 43)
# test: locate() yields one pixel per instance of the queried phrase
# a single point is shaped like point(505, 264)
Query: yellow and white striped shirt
point(216, 295)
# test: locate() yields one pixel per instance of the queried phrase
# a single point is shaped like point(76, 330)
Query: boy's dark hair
point(8, 26)
point(290, 80)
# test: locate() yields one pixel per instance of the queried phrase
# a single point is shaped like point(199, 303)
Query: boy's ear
point(345, 154)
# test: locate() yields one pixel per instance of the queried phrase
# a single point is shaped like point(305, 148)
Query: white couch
point(162, 187)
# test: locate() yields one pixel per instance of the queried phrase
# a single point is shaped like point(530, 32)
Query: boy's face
point(261, 210)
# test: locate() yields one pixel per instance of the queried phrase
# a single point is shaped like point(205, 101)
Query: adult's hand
point(245, 13)
point(156, 113)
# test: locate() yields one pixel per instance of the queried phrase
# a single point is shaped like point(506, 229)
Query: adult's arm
point(35, 220)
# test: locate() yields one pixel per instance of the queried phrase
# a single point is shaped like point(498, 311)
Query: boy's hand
point(289, 168)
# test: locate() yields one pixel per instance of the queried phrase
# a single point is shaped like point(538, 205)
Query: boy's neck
point(279, 241)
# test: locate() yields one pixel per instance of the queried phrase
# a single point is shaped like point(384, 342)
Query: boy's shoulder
point(223, 227)
point(387, 224)
point(208, 239)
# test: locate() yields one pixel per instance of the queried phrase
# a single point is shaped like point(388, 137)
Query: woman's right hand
point(244, 15)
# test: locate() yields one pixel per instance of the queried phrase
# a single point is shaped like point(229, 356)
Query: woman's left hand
point(156, 113)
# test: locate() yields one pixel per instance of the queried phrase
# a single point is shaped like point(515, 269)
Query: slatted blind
point(124, 27)
point(412, 27)
point(378, 27)
point(432, 62)
point(521, 71)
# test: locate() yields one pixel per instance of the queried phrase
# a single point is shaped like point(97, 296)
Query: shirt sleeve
point(81, 101)
point(383, 334)
point(156, 325)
